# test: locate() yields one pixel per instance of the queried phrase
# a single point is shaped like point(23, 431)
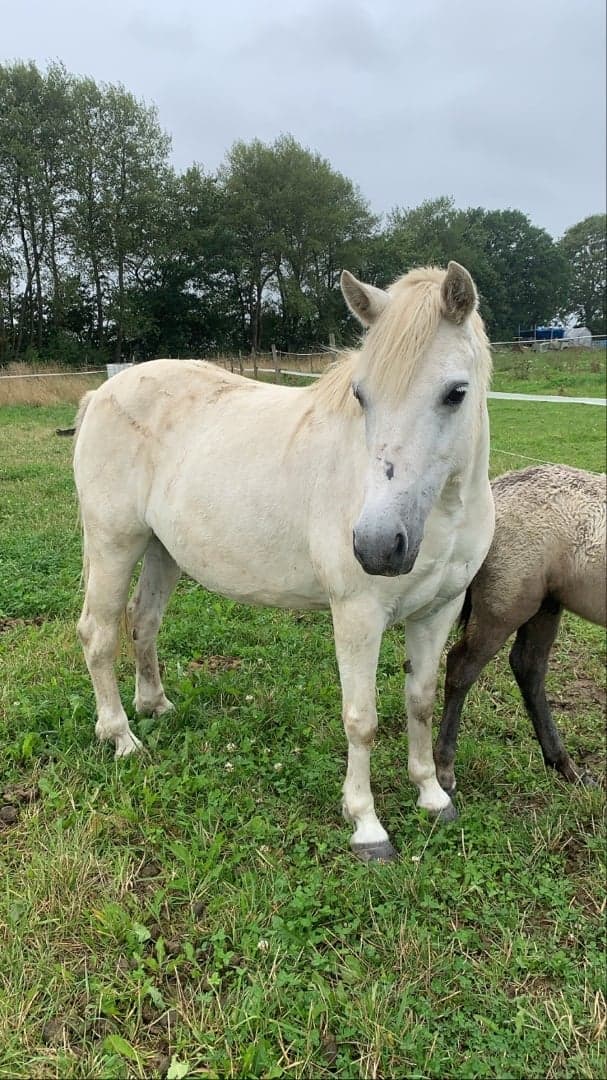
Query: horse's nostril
point(399, 545)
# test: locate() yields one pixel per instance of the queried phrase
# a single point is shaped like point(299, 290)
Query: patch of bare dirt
point(579, 693)
point(214, 664)
point(12, 624)
point(21, 793)
point(12, 798)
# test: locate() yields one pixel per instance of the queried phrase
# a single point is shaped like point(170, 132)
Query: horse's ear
point(458, 293)
point(364, 301)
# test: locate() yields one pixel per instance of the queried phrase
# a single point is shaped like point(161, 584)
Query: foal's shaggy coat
point(548, 553)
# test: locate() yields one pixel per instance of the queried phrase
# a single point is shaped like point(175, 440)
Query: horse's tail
point(85, 401)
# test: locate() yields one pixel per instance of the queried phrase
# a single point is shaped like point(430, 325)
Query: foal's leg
point(466, 660)
point(529, 662)
point(358, 634)
point(425, 638)
point(159, 576)
point(110, 567)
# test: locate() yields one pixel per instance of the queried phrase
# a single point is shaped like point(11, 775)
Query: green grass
point(571, 373)
point(171, 913)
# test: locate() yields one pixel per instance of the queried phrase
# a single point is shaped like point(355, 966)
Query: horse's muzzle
point(388, 558)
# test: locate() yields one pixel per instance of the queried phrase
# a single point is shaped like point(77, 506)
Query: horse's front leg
point(425, 638)
point(358, 632)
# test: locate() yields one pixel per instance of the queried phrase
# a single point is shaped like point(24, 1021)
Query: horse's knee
point(99, 640)
point(360, 726)
point(84, 629)
point(420, 694)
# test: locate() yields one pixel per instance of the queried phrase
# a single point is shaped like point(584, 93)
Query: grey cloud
point(500, 105)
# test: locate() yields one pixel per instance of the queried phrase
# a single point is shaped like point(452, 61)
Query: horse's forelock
point(394, 345)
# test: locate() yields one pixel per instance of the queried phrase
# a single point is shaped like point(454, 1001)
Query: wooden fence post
point(275, 359)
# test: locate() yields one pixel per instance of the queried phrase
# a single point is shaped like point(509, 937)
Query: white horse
point(367, 492)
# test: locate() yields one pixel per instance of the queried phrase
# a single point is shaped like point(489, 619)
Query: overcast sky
point(499, 104)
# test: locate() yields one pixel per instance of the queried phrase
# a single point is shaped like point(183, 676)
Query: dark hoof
point(447, 814)
point(383, 852)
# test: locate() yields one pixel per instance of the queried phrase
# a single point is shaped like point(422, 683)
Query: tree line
point(107, 252)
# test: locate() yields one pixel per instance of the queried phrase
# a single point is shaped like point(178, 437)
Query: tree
point(583, 245)
point(184, 297)
point(291, 224)
point(520, 273)
point(120, 162)
point(33, 122)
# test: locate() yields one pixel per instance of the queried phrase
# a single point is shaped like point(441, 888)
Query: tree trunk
point(118, 351)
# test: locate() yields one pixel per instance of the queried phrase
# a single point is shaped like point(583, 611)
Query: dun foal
point(548, 553)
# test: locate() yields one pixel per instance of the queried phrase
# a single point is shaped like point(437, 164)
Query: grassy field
point(195, 911)
point(572, 372)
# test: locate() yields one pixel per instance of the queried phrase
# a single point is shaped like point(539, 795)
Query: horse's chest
point(436, 583)
point(447, 562)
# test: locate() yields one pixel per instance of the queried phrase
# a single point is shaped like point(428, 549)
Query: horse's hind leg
point(529, 662)
point(109, 567)
point(158, 578)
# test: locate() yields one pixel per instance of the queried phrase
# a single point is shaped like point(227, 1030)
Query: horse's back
point(211, 464)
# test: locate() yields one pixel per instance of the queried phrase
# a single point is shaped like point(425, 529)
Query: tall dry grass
point(58, 388)
point(310, 362)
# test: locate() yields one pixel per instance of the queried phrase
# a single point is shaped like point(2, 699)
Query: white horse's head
point(420, 379)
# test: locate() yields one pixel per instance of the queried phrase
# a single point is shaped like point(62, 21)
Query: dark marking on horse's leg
point(529, 663)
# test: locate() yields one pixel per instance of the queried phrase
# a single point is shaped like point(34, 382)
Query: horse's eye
point(456, 395)
point(358, 395)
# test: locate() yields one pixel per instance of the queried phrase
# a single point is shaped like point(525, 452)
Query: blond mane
point(392, 348)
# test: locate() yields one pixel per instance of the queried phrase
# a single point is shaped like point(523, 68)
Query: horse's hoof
point(164, 707)
point(447, 814)
point(144, 708)
point(381, 852)
point(126, 744)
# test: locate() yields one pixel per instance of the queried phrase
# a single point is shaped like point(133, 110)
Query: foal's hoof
point(382, 852)
point(126, 744)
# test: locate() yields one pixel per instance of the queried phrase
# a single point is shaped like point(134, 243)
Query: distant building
point(579, 336)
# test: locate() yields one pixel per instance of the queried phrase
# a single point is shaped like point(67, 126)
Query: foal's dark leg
point(529, 662)
point(465, 662)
